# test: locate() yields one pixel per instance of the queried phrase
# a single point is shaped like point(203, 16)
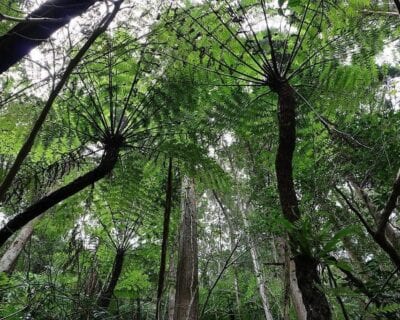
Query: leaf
point(343, 265)
point(332, 243)
point(294, 3)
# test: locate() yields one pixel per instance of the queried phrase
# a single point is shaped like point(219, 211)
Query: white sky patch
point(3, 219)
point(390, 54)
point(393, 92)
point(88, 241)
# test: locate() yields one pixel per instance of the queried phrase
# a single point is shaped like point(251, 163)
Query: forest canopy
point(185, 160)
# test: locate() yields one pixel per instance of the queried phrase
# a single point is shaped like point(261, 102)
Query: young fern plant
point(115, 107)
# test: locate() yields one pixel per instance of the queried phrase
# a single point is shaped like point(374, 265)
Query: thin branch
point(226, 265)
point(355, 210)
point(390, 205)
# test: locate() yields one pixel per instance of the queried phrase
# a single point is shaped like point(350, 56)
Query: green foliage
point(200, 97)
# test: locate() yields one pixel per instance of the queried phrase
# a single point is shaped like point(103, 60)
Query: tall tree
point(187, 287)
point(164, 245)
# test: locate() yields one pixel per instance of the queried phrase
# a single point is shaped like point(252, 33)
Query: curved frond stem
point(108, 233)
point(139, 110)
point(307, 67)
point(92, 119)
point(222, 74)
point(131, 91)
point(355, 210)
point(110, 89)
point(258, 97)
point(145, 130)
point(297, 44)
point(212, 35)
point(97, 106)
point(264, 57)
point(267, 68)
point(312, 56)
point(21, 91)
point(328, 125)
point(269, 35)
point(285, 45)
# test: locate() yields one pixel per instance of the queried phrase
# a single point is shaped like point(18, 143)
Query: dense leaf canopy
point(270, 128)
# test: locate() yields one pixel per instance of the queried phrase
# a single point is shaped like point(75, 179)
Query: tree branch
point(390, 205)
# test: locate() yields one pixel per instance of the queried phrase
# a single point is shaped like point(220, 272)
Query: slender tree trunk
point(9, 258)
point(106, 295)
point(187, 291)
point(232, 243)
point(314, 300)
point(27, 146)
point(256, 266)
point(139, 309)
point(164, 246)
point(105, 167)
point(172, 291)
point(290, 281)
point(286, 279)
point(237, 293)
point(28, 34)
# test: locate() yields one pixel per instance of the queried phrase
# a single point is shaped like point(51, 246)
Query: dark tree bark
point(187, 291)
point(314, 300)
point(27, 146)
point(286, 147)
point(105, 167)
point(106, 295)
point(26, 35)
point(164, 246)
point(397, 3)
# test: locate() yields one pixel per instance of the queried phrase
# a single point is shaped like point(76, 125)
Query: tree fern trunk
point(314, 300)
point(106, 295)
point(105, 167)
point(26, 35)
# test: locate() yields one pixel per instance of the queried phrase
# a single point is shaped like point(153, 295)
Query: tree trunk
point(187, 291)
point(105, 167)
point(379, 236)
point(290, 281)
point(106, 295)
point(232, 241)
point(397, 3)
point(172, 291)
point(164, 246)
point(26, 35)
point(256, 266)
point(27, 146)
point(392, 235)
point(315, 302)
point(138, 309)
point(9, 258)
